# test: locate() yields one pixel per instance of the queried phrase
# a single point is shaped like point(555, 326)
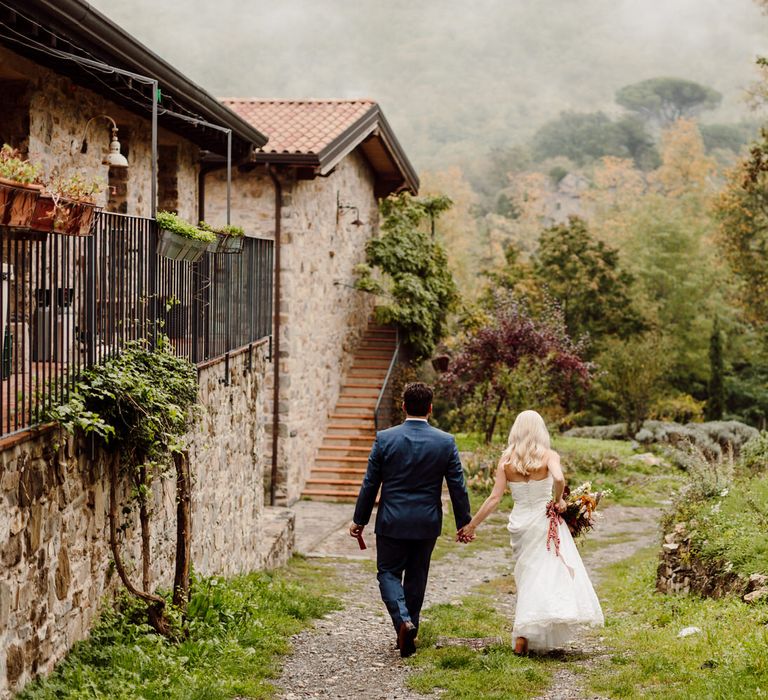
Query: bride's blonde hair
point(527, 444)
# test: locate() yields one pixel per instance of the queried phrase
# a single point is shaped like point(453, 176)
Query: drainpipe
point(276, 333)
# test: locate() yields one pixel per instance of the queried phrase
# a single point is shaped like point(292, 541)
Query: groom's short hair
point(417, 398)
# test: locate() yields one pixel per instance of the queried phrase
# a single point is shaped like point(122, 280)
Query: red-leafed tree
point(514, 362)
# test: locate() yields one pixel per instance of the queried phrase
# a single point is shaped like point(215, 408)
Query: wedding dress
point(554, 593)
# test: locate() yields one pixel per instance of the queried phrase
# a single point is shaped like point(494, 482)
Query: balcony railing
point(69, 302)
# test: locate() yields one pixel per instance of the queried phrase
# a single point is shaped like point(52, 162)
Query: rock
point(757, 581)
point(14, 664)
point(648, 458)
point(756, 595)
point(670, 546)
point(688, 631)
point(63, 576)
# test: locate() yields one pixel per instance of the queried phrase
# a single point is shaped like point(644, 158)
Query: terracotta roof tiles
point(300, 126)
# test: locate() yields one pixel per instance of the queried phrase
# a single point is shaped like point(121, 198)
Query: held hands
point(466, 534)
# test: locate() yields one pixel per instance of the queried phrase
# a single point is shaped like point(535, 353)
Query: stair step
point(350, 436)
point(329, 482)
point(357, 393)
point(361, 385)
point(344, 448)
point(360, 417)
point(361, 431)
point(367, 402)
point(320, 493)
point(338, 470)
point(353, 460)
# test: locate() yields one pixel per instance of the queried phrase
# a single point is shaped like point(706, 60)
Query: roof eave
point(128, 53)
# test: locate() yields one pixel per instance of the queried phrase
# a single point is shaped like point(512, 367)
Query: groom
point(409, 462)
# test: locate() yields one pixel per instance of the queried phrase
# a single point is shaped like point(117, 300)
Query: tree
point(495, 363)
point(716, 398)
point(742, 211)
point(631, 377)
point(583, 275)
point(415, 276)
point(662, 101)
point(581, 137)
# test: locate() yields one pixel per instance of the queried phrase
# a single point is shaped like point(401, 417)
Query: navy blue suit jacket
point(409, 462)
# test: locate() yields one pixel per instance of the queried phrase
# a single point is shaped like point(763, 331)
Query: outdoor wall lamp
point(114, 159)
point(340, 208)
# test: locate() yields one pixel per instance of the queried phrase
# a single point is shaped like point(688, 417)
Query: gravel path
point(351, 653)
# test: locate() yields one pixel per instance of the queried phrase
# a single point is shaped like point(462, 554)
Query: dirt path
point(351, 653)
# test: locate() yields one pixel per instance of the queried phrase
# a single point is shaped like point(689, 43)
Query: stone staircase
point(343, 455)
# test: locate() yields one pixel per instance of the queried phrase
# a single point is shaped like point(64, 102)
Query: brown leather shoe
point(406, 639)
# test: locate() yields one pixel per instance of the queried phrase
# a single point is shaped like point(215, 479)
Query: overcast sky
point(454, 75)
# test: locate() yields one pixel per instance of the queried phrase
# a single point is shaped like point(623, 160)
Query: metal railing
point(69, 302)
point(385, 390)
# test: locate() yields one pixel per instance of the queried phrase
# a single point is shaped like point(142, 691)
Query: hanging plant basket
point(17, 202)
point(225, 243)
point(177, 247)
point(62, 215)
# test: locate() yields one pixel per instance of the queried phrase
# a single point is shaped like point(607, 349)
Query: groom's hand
point(355, 530)
point(465, 535)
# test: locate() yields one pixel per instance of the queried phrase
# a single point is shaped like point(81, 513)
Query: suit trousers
point(403, 569)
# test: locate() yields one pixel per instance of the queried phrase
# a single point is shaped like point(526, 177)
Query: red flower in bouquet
point(581, 506)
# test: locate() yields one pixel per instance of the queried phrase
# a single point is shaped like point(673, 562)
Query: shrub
point(753, 457)
point(616, 431)
point(680, 408)
point(710, 474)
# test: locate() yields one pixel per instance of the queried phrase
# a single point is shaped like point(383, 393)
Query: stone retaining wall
point(682, 571)
point(54, 556)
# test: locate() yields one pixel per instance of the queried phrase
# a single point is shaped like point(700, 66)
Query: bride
point(554, 593)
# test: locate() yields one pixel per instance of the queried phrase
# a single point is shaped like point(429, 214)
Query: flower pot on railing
point(229, 239)
point(180, 240)
point(17, 202)
point(177, 247)
point(69, 217)
point(18, 188)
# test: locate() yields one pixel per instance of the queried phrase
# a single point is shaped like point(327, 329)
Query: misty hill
point(455, 77)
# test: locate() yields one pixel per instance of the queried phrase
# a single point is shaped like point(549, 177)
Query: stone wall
point(54, 556)
point(58, 113)
point(322, 316)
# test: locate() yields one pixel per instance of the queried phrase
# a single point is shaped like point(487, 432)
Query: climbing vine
point(413, 274)
point(138, 406)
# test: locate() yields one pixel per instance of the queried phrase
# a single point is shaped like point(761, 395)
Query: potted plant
point(179, 240)
point(19, 189)
point(229, 239)
point(69, 208)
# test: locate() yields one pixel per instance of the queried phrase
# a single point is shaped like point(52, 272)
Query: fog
point(455, 77)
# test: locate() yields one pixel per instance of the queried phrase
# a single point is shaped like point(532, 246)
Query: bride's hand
point(465, 534)
point(561, 505)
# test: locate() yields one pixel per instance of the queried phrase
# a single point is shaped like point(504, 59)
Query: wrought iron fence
point(69, 302)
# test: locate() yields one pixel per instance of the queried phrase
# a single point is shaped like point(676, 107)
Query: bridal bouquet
point(582, 502)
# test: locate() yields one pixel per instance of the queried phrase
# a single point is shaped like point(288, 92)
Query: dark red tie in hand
point(361, 541)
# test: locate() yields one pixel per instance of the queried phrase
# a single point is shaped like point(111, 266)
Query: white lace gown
point(554, 594)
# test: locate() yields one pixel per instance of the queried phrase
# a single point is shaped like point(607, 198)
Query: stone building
point(328, 162)
point(310, 196)
point(56, 74)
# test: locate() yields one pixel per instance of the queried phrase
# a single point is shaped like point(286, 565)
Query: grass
point(731, 528)
point(237, 630)
point(491, 534)
point(609, 464)
point(462, 673)
point(726, 661)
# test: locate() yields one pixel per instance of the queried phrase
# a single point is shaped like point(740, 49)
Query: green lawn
point(727, 660)
point(238, 628)
point(465, 674)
